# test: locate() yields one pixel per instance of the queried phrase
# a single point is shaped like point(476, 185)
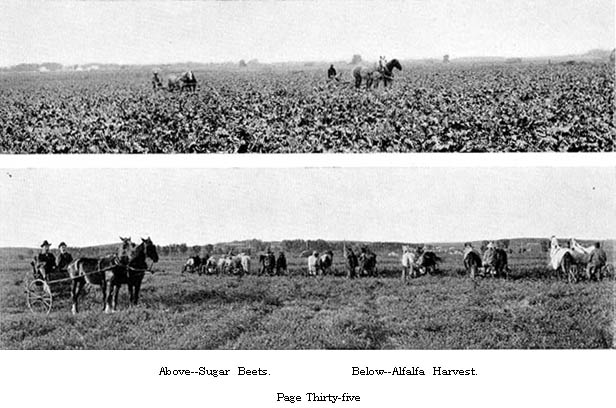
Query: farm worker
point(281, 264)
point(408, 262)
point(352, 264)
point(331, 73)
point(268, 262)
point(64, 258)
point(489, 257)
point(271, 260)
point(598, 259)
point(46, 258)
point(313, 262)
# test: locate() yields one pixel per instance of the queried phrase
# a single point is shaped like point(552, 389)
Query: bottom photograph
point(308, 258)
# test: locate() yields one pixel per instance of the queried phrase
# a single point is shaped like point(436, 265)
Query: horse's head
point(150, 249)
point(127, 242)
point(125, 249)
point(394, 63)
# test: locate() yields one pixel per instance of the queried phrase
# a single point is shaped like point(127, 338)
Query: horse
point(561, 259)
point(325, 262)
point(224, 264)
point(137, 266)
point(428, 262)
point(375, 73)
point(111, 271)
point(101, 272)
point(185, 80)
point(209, 266)
point(192, 264)
point(495, 262)
point(472, 263)
point(581, 255)
point(367, 263)
point(387, 73)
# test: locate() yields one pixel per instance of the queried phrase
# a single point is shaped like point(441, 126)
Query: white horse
point(562, 259)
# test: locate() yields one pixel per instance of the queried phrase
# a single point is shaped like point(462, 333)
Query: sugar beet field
point(454, 108)
point(532, 309)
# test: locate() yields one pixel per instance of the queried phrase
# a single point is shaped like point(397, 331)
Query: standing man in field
point(408, 263)
point(332, 74)
point(46, 258)
point(313, 264)
point(64, 258)
point(352, 264)
point(598, 259)
point(281, 264)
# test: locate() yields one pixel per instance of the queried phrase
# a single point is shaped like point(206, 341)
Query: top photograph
point(307, 76)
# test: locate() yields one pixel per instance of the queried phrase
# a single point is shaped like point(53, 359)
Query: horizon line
point(330, 241)
point(273, 62)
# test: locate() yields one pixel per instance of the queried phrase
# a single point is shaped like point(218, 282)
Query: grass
point(447, 311)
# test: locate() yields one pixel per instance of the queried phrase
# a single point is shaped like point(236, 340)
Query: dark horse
point(367, 263)
point(110, 272)
point(137, 267)
point(376, 73)
point(472, 263)
point(428, 262)
point(496, 263)
point(185, 80)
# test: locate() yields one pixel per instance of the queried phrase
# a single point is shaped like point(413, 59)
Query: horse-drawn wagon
point(42, 287)
point(109, 272)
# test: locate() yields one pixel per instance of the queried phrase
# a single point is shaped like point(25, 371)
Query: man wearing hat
point(64, 258)
point(45, 257)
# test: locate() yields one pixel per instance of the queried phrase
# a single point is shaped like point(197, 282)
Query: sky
point(155, 32)
point(200, 206)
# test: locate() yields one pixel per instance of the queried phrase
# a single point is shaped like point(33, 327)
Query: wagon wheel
point(38, 296)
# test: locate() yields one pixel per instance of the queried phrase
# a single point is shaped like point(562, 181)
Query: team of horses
point(185, 81)
point(493, 264)
point(372, 75)
point(128, 266)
